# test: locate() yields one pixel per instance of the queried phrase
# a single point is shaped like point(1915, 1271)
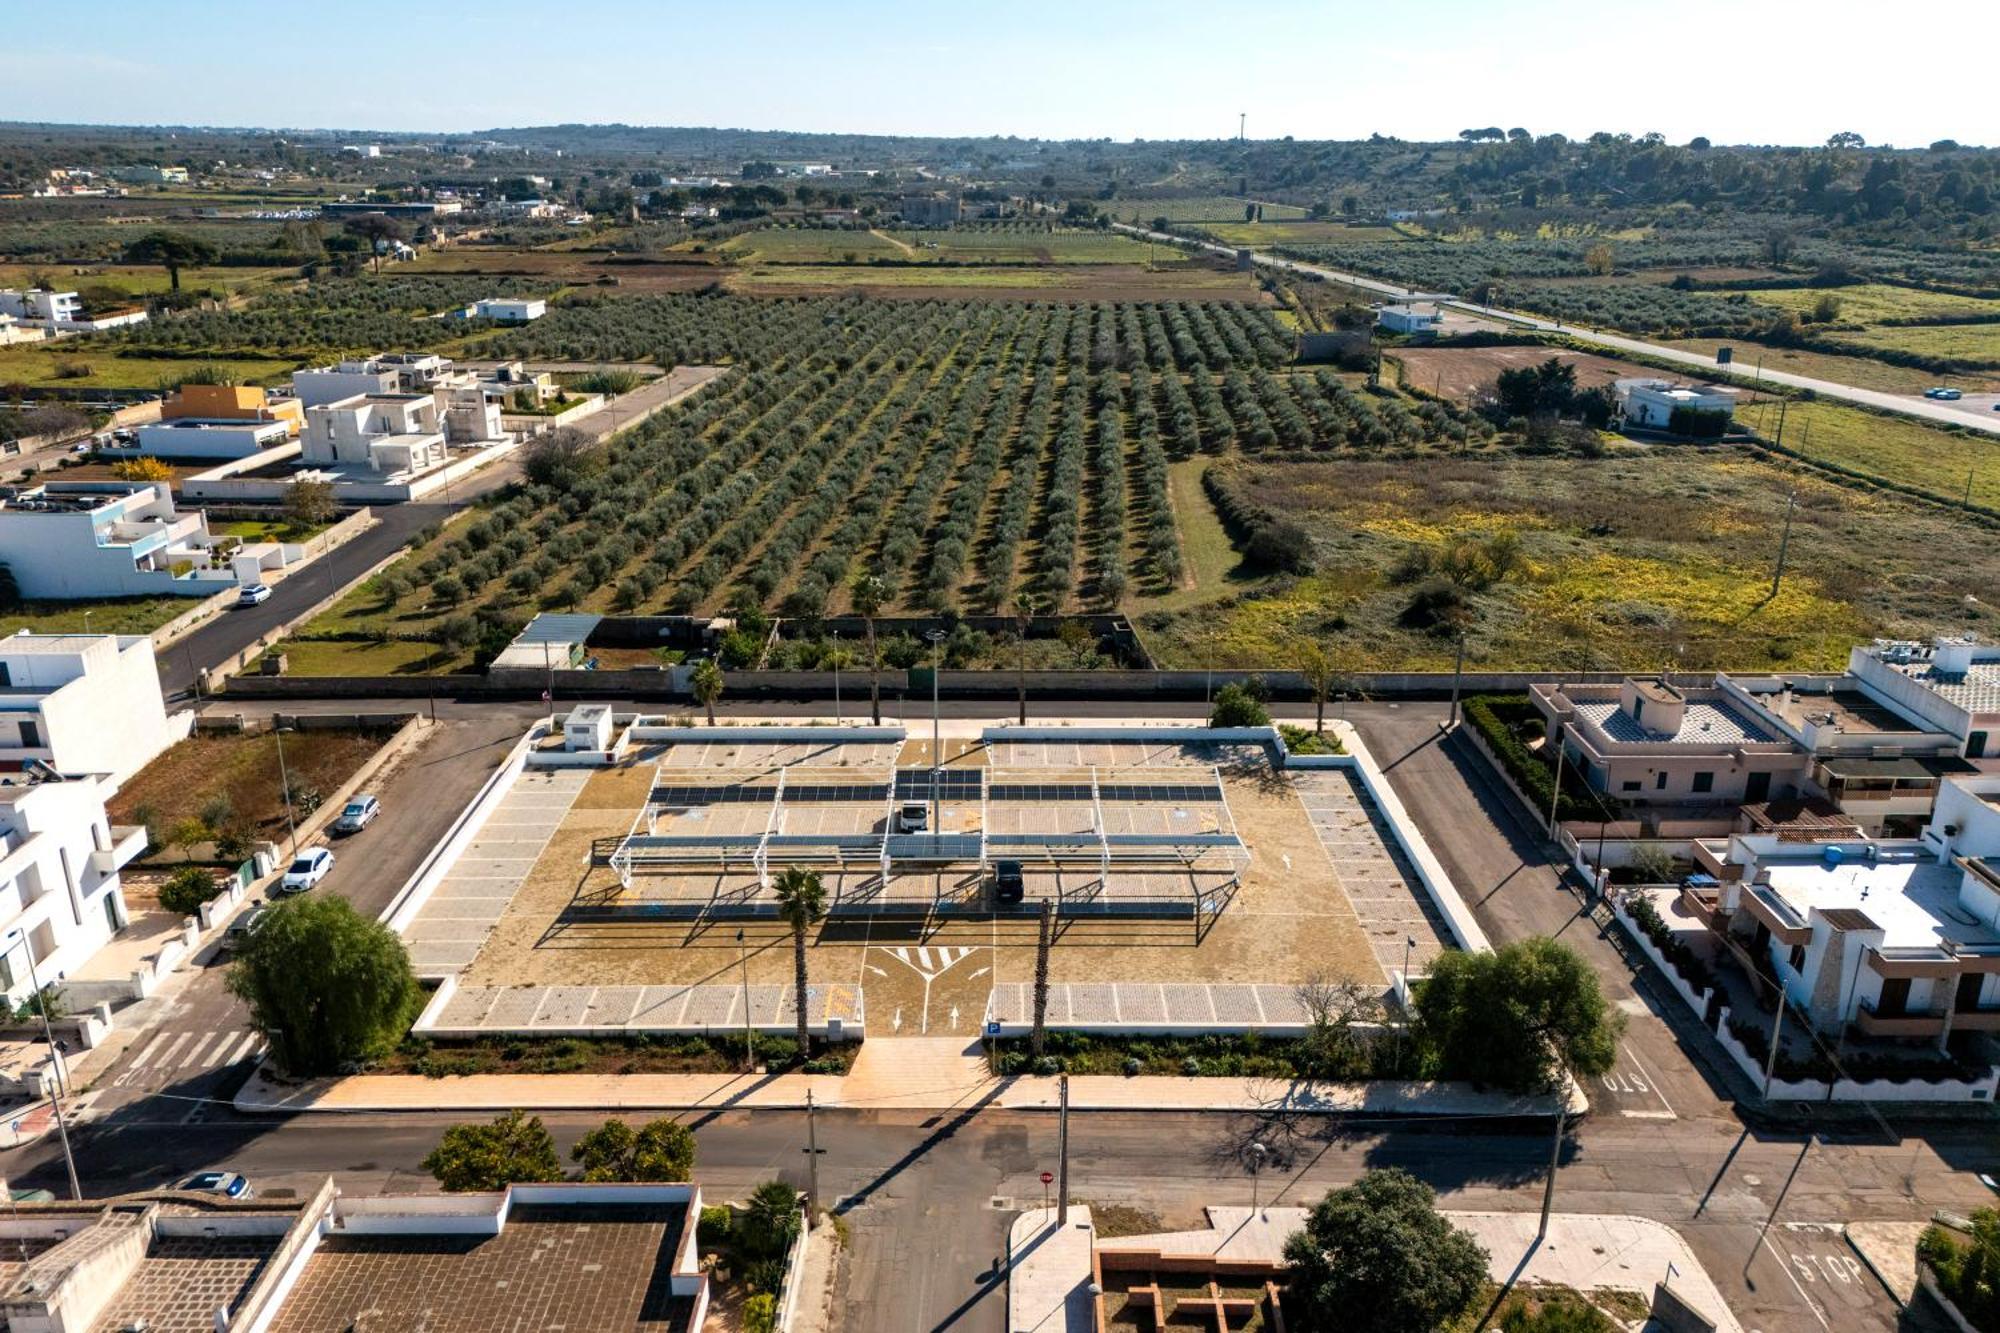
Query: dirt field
point(1457, 371)
point(1290, 917)
point(183, 782)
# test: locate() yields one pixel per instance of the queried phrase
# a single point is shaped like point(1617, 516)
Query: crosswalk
point(169, 1057)
point(928, 959)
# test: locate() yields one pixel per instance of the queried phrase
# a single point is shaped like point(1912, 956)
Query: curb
point(1869, 1264)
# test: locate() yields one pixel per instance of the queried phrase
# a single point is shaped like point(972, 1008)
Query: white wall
point(315, 387)
point(103, 713)
point(49, 888)
point(184, 438)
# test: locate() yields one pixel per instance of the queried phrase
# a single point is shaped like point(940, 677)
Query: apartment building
point(82, 703)
point(200, 437)
point(232, 402)
point(467, 406)
point(106, 539)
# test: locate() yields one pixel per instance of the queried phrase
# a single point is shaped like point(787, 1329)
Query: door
point(1975, 744)
point(31, 736)
point(1966, 998)
point(1895, 997)
point(1757, 789)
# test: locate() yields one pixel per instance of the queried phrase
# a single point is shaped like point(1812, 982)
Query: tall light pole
point(278, 730)
point(936, 637)
point(836, 677)
point(749, 1038)
point(1555, 1150)
point(1457, 671)
point(55, 1060)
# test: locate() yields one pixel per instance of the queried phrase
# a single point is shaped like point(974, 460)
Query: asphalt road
point(1908, 405)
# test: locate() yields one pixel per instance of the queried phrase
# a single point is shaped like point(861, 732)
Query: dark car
point(1009, 887)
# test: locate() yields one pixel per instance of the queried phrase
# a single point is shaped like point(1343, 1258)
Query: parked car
point(228, 1184)
point(913, 817)
point(250, 594)
point(244, 926)
point(1941, 392)
point(1008, 885)
point(358, 814)
point(307, 869)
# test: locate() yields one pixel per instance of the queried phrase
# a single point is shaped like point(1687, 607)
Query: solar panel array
point(953, 784)
point(805, 793)
point(1127, 793)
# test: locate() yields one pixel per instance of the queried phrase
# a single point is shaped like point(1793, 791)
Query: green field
point(138, 280)
point(1860, 371)
point(36, 364)
point(1894, 448)
point(1263, 235)
point(339, 657)
point(1977, 344)
point(808, 245)
point(1025, 245)
point(1872, 303)
point(1091, 282)
point(1682, 581)
point(108, 615)
point(1199, 208)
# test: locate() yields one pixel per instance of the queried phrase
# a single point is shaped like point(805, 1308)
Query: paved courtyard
point(1376, 876)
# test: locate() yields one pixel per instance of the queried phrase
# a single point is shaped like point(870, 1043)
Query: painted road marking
point(243, 1049)
point(193, 1057)
point(147, 1054)
point(1630, 1080)
point(947, 956)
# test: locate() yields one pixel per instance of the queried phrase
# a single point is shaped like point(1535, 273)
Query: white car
point(307, 869)
point(228, 1184)
point(1943, 394)
point(250, 594)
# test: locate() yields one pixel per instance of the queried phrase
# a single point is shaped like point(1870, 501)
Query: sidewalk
point(889, 1074)
point(1050, 1272)
point(1890, 1251)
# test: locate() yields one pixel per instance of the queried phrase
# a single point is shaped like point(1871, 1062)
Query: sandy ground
point(1457, 371)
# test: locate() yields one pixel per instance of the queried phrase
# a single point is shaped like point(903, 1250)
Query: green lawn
point(1975, 343)
point(394, 657)
point(265, 529)
point(1871, 303)
point(110, 615)
point(1897, 449)
point(1205, 545)
point(35, 364)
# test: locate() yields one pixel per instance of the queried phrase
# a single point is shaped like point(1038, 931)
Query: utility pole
point(1968, 495)
point(1555, 796)
point(1555, 1153)
point(1042, 941)
point(937, 637)
point(1062, 1152)
point(1780, 1203)
point(812, 1160)
point(1242, 120)
point(1457, 670)
point(1784, 407)
point(56, 1062)
point(1784, 541)
point(749, 1037)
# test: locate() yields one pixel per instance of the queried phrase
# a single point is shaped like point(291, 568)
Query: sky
point(1736, 71)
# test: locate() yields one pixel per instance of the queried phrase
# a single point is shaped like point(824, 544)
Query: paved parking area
point(450, 929)
point(766, 756)
point(1378, 879)
point(710, 1008)
point(1112, 1003)
point(1119, 754)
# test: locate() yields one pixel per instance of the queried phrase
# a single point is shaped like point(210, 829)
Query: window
point(1702, 782)
point(1660, 780)
point(31, 736)
point(1798, 959)
point(1632, 785)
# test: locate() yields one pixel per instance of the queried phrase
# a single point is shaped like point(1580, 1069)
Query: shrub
point(760, 1313)
point(1238, 706)
point(1495, 717)
point(715, 1225)
point(186, 890)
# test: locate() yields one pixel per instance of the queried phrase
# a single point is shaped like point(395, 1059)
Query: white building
point(59, 889)
point(82, 703)
point(106, 539)
point(210, 437)
point(1896, 938)
point(1653, 402)
point(389, 372)
point(1951, 684)
point(1409, 318)
point(524, 208)
point(151, 175)
point(509, 311)
point(391, 433)
point(61, 312)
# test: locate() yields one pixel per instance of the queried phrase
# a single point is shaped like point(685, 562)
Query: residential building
point(582, 1256)
point(509, 311)
point(1896, 938)
point(392, 433)
point(388, 372)
point(1647, 742)
point(82, 703)
point(106, 539)
point(62, 312)
point(232, 402)
point(524, 208)
point(59, 889)
point(200, 437)
point(1951, 684)
point(1876, 764)
point(1653, 402)
point(420, 210)
point(1409, 318)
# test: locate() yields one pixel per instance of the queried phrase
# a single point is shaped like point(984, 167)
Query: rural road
point(1941, 413)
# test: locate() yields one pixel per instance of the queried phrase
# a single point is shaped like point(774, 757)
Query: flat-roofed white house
point(388, 372)
point(509, 310)
point(1896, 938)
point(1410, 318)
point(1951, 684)
point(389, 433)
point(198, 437)
point(1653, 402)
point(82, 703)
point(107, 539)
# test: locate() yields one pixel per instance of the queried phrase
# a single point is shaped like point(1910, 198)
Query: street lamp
point(278, 730)
point(55, 1059)
point(1257, 1154)
point(836, 678)
point(749, 1039)
point(936, 637)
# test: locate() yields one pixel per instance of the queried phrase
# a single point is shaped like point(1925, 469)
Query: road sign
point(1048, 1177)
point(993, 1028)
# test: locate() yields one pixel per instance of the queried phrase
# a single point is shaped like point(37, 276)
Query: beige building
point(1646, 742)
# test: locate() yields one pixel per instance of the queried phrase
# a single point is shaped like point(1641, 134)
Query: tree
point(186, 890)
point(172, 251)
point(659, 1150)
point(1598, 259)
point(1547, 387)
point(1044, 937)
point(869, 593)
point(326, 986)
point(1846, 139)
point(141, 469)
point(1236, 706)
point(1378, 1257)
point(310, 503)
point(455, 634)
point(771, 1221)
point(1517, 1017)
point(560, 458)
point(1024, 620)
point(185, 833)
point(801, 903)
point(1318, 669)
point(378, 230)
point(705, 683)
point(516, 1147)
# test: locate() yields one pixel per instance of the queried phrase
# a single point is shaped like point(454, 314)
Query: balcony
point(1777, 915)
point(127, 845)
point(1900, 1023)
point(1976, 1020)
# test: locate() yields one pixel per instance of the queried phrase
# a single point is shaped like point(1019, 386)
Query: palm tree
point(869, 594)
point(801, 902)
point(705, 683)
point(1044, 937)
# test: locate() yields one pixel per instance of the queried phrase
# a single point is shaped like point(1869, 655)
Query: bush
point(1495, 717)
point(1238, 706)
point(760, 1313)
point(1684, 960)
point(186, 890)
point(715, 1226)
point(1968, 1269)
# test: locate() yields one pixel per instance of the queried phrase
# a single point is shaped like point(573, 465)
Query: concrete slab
point(1048, 1272)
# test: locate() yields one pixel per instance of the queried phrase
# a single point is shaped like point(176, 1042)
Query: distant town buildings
point(937, 209)
point(62, 312)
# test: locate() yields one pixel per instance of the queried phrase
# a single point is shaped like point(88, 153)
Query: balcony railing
point(1911, 1022)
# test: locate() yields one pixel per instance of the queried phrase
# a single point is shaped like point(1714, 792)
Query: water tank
point(1832, 856)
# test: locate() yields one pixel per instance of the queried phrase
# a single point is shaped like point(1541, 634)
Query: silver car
point(358, 814)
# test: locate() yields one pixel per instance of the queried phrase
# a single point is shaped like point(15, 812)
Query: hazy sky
point(1746, 71)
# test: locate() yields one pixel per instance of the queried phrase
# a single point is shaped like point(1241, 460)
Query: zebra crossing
point(927, 959)
point(170, 1057)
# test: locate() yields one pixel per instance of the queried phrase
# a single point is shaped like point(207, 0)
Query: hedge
point(1493, 716)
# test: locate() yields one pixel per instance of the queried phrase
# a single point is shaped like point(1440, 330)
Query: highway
point(1907, 405)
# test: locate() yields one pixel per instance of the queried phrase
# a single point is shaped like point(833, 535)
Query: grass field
point(109, 615)
point(956, 245)
point(1872, 303)
point(1977, 344)
point(1199, 208)
point(785, 245)
point(1071, 282)
point(264, 529)
point(139, 280)
point(242, 770)
point(340, 657)
point(1262, 235)
point(37, 364)
point(1681, 580)
point(1896, 449)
